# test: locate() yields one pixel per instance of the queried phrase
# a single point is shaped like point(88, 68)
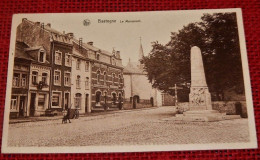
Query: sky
point(125, 37)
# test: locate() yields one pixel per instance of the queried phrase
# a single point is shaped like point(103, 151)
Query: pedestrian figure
point(76, 115)
point(68, 115)
point(64, 113)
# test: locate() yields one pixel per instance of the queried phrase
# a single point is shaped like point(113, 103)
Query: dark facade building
point(107, 81)
point(57, 47)
point(20, 82)
point(106, 76)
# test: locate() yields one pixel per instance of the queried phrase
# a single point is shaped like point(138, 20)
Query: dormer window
point(42, 56)
point(98, 56)
point(113, 62)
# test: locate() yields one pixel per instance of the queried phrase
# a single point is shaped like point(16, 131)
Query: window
point(13, 103)
point(78, 100)
point(58, 57)
point(41, 101)
point(105, 78)
point(42, 56)
point(44, 78)
point(87, 66)
point(67, 79)
point(98, 76)
point(87, 83)
point(68, 60)
point(78, 82)
point(56, 99)
point(16, 80)
point(24, 80)
point(119, 79)
point(34, 77)
point(113, 79)
point(78, 64)
point(57, 78)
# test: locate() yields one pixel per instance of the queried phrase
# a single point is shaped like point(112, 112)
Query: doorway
point(66, 100)
point(21, 106)
point(98, 96)
point(135, 101)
point(32, 104)
point(86, 104)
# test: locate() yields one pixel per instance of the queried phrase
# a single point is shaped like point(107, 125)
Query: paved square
point(137, 127)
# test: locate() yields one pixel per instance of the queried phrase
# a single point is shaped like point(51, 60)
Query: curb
point(85, 115)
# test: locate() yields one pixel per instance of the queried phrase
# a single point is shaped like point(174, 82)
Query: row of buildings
point(55, 71)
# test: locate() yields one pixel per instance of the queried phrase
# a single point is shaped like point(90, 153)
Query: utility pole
point(176, 97)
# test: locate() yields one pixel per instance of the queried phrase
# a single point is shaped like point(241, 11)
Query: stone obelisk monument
point(199, 97)
point(200, 107)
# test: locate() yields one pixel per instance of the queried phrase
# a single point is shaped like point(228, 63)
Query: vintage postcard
point(127, 82)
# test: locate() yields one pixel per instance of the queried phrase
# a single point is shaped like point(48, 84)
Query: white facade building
point(80, 82)
point(138, 89)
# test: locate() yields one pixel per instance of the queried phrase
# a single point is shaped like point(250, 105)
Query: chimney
point(42, 25)
point(70, 35)
point(90, 43)
point(80, 44)
point(24, 19)
point(118, 54)
point(63, 32)
point(37, 23)
point(49, 25)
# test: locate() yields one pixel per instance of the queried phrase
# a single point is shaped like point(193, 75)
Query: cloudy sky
point(154, 26)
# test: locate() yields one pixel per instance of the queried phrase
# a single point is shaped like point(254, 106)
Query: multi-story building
point(62, 72)
point(107, 79)
point(31, 78)
point(98, 77)
point(20, 82)
point(39, 81)
point(81, 77)
point(57, 49)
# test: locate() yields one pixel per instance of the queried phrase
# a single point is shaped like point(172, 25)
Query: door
point(66, 101)
point(98, 94)
point(32, 104)
point(21, 106)
point(86, 104)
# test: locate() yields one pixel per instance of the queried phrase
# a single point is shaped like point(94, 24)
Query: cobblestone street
point(142, 127)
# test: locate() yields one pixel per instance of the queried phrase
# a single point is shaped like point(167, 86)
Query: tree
point(217, 36)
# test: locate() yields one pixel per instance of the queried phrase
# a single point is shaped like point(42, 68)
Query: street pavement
point(132, 127)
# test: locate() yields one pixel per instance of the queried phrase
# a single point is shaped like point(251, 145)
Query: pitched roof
point(134, 68)
point(54, 34)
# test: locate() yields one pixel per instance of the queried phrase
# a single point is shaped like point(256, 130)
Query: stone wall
point(229, 107)
point(142, 104)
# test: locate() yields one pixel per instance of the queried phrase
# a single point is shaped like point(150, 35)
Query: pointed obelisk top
point(198, 78)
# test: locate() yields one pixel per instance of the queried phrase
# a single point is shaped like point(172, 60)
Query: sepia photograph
point(128, 82)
